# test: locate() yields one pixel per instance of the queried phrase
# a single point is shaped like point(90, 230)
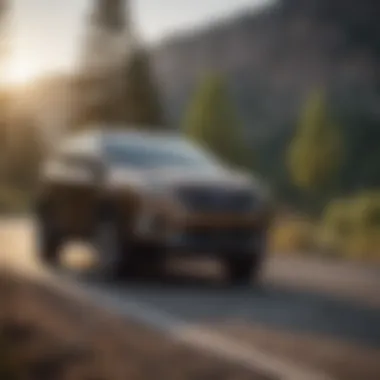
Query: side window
point(71, 168)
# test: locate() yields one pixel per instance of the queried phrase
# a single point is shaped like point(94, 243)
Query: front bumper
point(215, 243)
point(205, 234)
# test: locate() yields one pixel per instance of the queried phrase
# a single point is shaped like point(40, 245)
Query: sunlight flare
point(21, 71)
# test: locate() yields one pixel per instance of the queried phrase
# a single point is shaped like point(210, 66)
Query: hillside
point(280, 53)
point(274, 58)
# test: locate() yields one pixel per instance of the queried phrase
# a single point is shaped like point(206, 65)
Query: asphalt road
point(334, 301)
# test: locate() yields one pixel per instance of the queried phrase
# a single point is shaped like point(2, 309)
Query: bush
point(292, 235)
point(351, 227)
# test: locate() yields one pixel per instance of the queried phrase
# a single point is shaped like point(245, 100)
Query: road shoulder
point(53, 336)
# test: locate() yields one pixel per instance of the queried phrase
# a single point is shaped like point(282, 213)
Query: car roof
point(92, 141)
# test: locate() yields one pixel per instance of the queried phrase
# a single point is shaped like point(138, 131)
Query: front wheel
point(111, 249)
point(243, 270)
point(48, 240)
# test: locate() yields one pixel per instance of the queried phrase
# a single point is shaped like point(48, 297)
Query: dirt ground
point(46, 336)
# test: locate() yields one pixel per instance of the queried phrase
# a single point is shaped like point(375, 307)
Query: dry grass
point(292, 235)
point(297, 235)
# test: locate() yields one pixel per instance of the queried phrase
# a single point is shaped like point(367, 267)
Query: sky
point(46, 34)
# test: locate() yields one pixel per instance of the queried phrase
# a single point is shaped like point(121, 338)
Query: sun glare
point(21, 72)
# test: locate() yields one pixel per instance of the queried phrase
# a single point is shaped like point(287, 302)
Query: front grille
point(217, 200)
point(220, 237)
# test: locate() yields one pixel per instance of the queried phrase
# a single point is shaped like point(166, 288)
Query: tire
point(150, 259)
point(113, 251)
point(49, 240)
point(243, 270)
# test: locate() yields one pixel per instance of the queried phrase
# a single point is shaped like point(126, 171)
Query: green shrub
point(351, 227)
point(292, 235)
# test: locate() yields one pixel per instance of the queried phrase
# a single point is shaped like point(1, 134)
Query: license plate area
point(216, 237)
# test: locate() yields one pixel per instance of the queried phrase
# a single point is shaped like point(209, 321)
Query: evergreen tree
point(212, 121)
point(141, 104)
point(98, 86)
point(315, 154)
point(116, 85)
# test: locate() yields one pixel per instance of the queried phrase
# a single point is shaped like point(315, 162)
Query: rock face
point(275, 57)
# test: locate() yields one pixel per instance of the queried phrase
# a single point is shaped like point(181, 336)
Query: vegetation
point(293, 234)
point(351, 226)
point(142, 102)
point(213, 122)
point(270, 77)
point(361, 166)
point(315, 154)
point(323, 158)
point(124, 91)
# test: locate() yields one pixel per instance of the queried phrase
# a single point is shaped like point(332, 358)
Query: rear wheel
point(120, 257)
point(151, 259)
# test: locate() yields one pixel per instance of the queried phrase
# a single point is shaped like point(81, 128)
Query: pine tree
point(97, 89)
point(110, 14)
point(117, 85)
point(141, 104)
point(315, 154)
point(212, 121)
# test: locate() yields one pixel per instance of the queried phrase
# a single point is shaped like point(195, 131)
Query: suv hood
point(170, 178)
point(183, 178)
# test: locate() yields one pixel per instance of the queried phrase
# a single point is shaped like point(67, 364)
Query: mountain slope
point(281, 53)
point(273, 59)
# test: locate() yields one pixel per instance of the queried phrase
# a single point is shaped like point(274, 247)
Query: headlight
point(119, 178)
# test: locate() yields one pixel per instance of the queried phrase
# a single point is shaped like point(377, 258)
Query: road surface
point(304, 317)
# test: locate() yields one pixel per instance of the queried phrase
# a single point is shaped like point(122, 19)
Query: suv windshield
point(147, 153)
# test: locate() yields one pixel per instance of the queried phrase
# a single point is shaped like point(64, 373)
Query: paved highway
point(338, 303)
